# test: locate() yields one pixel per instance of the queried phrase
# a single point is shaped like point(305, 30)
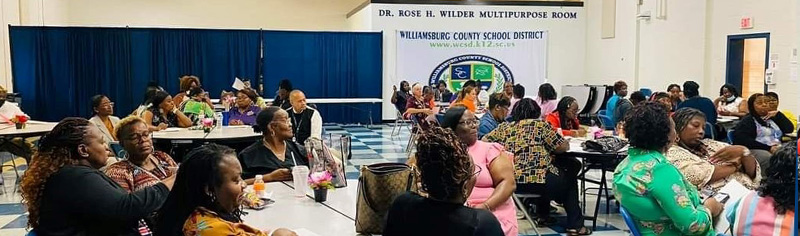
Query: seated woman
point(494, 186)
point(245, 111)
point(417, 106)
point(66, 194)
point(664, 99)
point(205, 200)
point(163, 113)
point(761, 130)
point(729, 102)
point(775, 199)
point(565, 117)
point(533, 142)
point(142, 167)
point(657, 196)
point(147, 102)
point(467, 97)
point(187, 83)
point(275, 154)
point(103, 117)
point(196, 107)
point(448, 176)
point(706, 163)
point(547, 99)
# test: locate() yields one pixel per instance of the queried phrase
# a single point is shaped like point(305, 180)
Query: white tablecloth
point(219, 133)
point(293, 212)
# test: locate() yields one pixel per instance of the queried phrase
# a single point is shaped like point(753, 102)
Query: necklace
point(280, 155)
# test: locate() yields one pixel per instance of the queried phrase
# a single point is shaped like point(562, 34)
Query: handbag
point(378, 186)
point(606, 144)
point(321, 159)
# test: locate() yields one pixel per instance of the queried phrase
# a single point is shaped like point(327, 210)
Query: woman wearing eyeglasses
point(275, 154)
point(143, 166)
point(104, 118)
point(533, 141)
point(495, 184)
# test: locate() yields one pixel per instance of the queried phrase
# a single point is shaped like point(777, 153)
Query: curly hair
point(647, 126)
point(618, 86)
point(123, 128)
point(780, 177)
point(198, 178)
point(525, 109)
point(498, 99)
point(57, 149)
point(444, 165)
point(186, 82)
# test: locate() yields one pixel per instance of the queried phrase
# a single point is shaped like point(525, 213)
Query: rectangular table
point(218, 106)
point(597, 161)
point(293, 212)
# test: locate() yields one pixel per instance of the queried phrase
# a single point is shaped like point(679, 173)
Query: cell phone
point(722, 197)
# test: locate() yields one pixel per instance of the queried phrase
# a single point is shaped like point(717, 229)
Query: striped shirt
point(755, 215)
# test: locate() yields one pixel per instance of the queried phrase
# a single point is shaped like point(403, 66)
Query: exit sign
point(746, 23)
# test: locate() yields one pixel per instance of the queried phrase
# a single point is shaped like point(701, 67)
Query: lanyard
point(297, 127)
point(148, 172)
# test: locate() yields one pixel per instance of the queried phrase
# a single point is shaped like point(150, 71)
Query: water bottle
point(218, 119)
point(259, 187)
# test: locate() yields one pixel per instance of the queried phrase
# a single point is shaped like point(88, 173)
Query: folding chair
point(400, 120)
point(521, 207)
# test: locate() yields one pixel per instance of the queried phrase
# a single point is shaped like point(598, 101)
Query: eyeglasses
point(137, 138)
point(470, 122)
point(477, 172)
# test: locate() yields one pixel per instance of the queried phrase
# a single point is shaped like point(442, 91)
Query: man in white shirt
point(306, 121)
point(16, 146)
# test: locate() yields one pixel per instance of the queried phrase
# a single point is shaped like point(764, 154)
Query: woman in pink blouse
point(547, 99)
point(495, 182)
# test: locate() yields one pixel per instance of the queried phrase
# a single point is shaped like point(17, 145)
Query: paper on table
point(238, 84)
point(172, 129)
point(736, 191)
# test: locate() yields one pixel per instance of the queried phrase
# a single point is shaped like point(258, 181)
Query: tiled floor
point(369, 145)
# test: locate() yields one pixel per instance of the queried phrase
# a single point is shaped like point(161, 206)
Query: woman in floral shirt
point(706, 163)
point(657, 196)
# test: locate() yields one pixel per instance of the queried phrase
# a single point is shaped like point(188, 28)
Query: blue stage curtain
point(58, 69)
point(327, 65)
point(215, 56)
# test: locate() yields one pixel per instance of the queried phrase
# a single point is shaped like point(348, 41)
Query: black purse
point(605, 144)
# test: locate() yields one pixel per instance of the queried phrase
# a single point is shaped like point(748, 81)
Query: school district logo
point(489, 72)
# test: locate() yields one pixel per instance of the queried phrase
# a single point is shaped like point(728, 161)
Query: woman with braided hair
point(447, 175)
point(66, 194)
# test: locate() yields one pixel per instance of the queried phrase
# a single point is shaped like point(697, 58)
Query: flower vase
point(320, 194)
point(20, 125)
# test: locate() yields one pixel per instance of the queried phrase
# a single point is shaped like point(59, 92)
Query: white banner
point(493, 58)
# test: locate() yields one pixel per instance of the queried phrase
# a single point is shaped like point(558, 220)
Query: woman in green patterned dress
point(657, 196)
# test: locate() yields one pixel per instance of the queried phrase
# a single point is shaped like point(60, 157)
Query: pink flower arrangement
point(208, 122)
point(320, 180)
